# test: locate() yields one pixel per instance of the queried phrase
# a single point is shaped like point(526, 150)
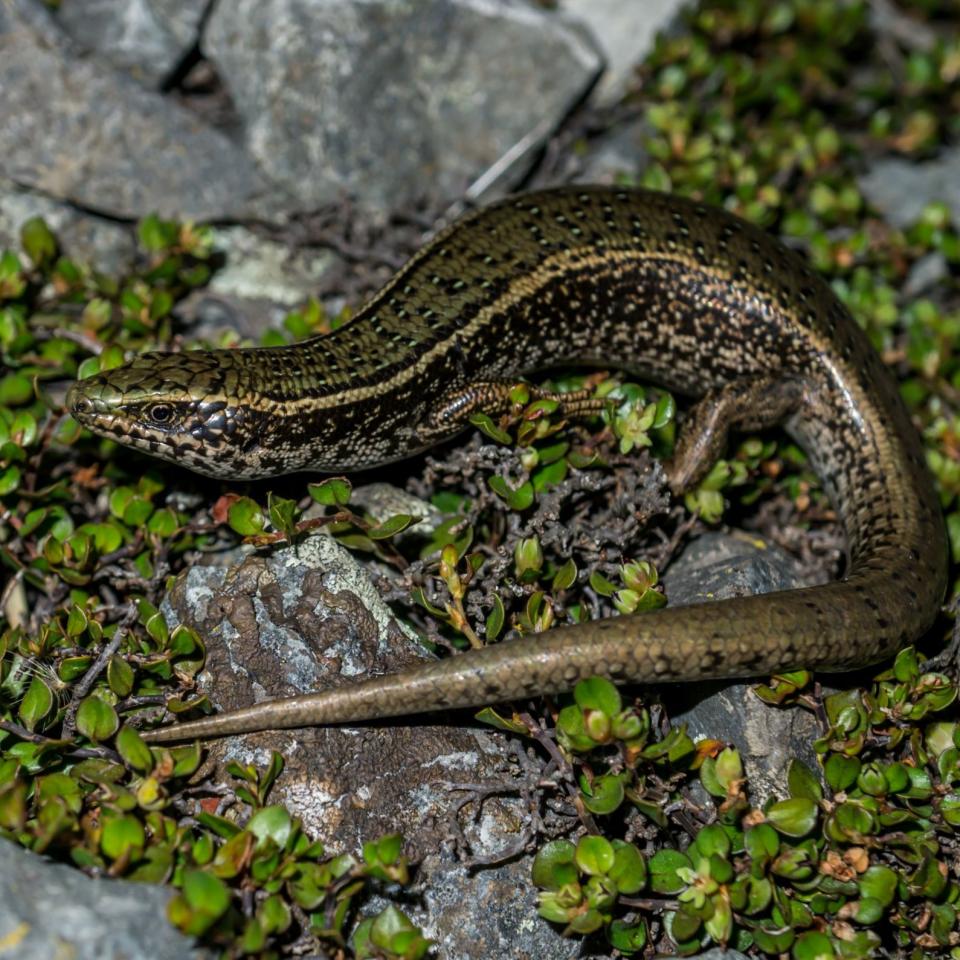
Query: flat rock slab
point(304, 618)
point(900, 189)
point(148, 38)
point(50, 910)
point(489, 914)
point(717, 566)
point(85, 134)
point(392, 102)
point(625, 31)
point(259, 269)
point(104, 244)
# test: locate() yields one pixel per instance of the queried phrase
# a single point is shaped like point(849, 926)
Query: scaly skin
point(679, 293)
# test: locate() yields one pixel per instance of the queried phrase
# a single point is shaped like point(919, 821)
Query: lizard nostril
point(81, 406)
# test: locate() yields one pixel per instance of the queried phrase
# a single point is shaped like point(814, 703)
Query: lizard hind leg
point(741, 405)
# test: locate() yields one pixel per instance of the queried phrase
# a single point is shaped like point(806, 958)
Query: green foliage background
point(768, 109)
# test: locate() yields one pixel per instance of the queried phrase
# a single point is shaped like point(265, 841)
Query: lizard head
point(173, 406)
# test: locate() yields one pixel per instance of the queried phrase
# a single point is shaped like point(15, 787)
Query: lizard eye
point(160, 413)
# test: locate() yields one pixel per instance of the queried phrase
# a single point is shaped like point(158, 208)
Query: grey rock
point(37, 15)
point(717, 565)
point(257, 268)
point(490, 914)
point(260, 281)
point(615, 152)
point(209, 316)
point(900, 189)
point(625, 33)
point(925, 274)
point(306, 617)
point(889, 19)
point(714, 567)
point(53, 910)
point(78, 132)
point(148, 38)
point(383, 500)
point(103, 244)
point(393, 101)
point(181, 18)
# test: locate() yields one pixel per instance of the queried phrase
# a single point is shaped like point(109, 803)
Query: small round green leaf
point(795, 817)
point(133, 750)
point(38, 242)
point(880, 883)
point(391, 526)
point(605, 794)
point(271, 823)
point(803, 782)
point(841, 772)
point(627, 937)
point(204, 899)
point(120, 676)
point(813, 946)
point(597, 693)
point(96, 719)
point(629, 870)
point(36, 703)
point(664, 866)
point(553, 865)
point(332, 492)
point(594, 855)
point(495, 621)
point(245, 517)
point(122, 837)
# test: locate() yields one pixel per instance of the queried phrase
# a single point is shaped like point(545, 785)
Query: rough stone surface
point(257, 268)
point(714, 567)
point(149, 38)
point(394, 101)
point(718, 565)
point(900, 189)
point(617, 151)
point(104, 244)
point(383, 500)
point(887, 18)
point(625, 33)
point(490, 914)
point(51, 910)
point(927, 273)
point(74, 131)
point(208, 316)
point(180, 18)
point(306, 617)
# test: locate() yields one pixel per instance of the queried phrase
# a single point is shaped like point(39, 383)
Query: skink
point(672, 290)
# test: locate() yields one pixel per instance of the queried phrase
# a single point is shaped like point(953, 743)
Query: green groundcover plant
point(769, 109)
